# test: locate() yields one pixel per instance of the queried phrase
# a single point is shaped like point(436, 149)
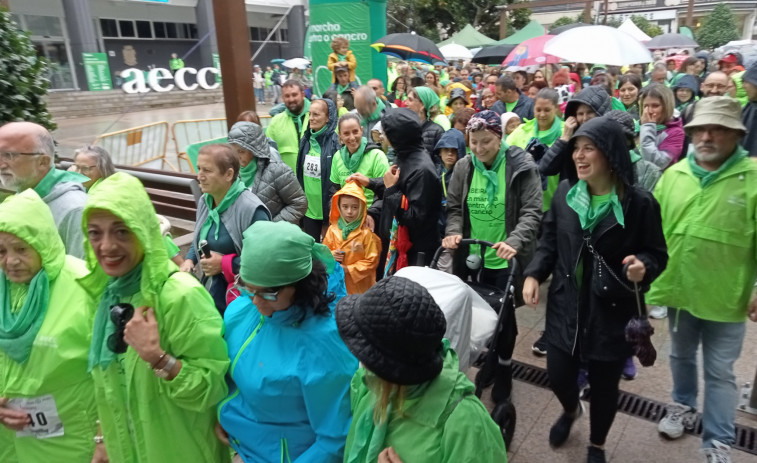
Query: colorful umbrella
point(409, 47)
point(598, 44)
point(531, 52)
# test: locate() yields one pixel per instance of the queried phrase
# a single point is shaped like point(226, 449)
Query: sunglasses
point(120, 314)
point(272, 295)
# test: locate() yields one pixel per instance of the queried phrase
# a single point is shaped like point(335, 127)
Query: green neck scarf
point(341, 57)
point(299, 118)
point(19, 327)
point(549, 136)
point(55, 176)
point(94, 185)
point(635, 156)
point(591, 212)
point(116, 289)
point(348, 228)
point(214, 214)
point(706, 177)
point(376, 115)
point(490, 175)
point(248, 172)
point(352, 162)
point(314, 145)
point(342, 88)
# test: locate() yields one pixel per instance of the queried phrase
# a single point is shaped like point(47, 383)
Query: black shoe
point(560, 431)
point(596, 455)
point(504, 415)
point(540, 346)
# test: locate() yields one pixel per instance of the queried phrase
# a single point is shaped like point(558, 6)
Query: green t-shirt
point(487, 222)
point(311, 182)
point(510, 106)
point(373, 165)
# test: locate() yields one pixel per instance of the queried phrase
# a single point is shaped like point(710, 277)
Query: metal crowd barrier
point(137, 146)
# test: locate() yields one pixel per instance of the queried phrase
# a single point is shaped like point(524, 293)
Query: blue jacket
point(524, 107)
point(288, 385)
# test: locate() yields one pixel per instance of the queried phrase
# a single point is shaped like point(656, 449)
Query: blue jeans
point(260, 95)
point(721, 346)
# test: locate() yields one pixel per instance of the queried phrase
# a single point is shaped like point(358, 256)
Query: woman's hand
point(141, 333)
point(187, 266)
point(211, 265)
point(338, 256)
point(645, 117)
point(392, 176)
point(15, 420)
point(358, 178)
point(101, 456)
point(222, 435)
point(504, 250)
point(451, 241)
point(531, 291)
point(370, 223)
point(636, 269)
point(568, 128)
point(388, 455)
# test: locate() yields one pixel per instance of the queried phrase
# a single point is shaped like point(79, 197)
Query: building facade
point(144, 33)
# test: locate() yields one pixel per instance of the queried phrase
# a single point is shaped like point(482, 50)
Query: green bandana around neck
point(349, 227)
point(299, 118)
point(341, 57)
point(116, 289)
point(549, 136)
point(342, 88)
point(19, 327)
point(376, 115)
point(589, 212)
point(248, 172)
point(214, 214)
point(706, 177)
point(490, 175)
point(55, 176)
point(635, 156)
point(352, 162)
point(314, 145)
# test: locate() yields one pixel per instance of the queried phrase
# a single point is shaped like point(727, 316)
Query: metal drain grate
point(638, 406)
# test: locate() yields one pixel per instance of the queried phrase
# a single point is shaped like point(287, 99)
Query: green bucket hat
point(278, 254)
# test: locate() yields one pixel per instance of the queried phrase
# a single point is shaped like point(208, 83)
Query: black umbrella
point(494, 54)
point(410, 47)
point(560, 29)
point(671, 41)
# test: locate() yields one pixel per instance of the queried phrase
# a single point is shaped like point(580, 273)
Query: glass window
point(144, 30)
point(283, 35)
point(126, 28)
point(160, 30)
point(192, 31)
point(46, 26)
point(109, 27)
point(259, 33)
point(171, 32)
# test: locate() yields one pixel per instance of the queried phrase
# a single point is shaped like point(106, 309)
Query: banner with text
point(98, 71)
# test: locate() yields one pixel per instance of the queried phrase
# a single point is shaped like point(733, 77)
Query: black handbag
point(604, 282)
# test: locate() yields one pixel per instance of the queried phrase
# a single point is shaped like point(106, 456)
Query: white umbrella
point(598, 44)
point(299, 63)
point(453, 51)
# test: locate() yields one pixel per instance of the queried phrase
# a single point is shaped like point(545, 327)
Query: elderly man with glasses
point(26, 161)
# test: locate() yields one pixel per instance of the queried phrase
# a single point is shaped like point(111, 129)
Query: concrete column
point(82, 37)
point(296, 30)
point(206, 24)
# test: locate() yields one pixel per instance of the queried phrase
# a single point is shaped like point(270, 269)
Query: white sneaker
point(658, 312)
point(677, 418)
point(718, 453)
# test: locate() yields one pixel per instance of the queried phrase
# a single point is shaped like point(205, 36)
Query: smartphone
point(204, 248)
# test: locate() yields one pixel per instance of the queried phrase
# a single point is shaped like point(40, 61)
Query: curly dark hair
point(311, 292)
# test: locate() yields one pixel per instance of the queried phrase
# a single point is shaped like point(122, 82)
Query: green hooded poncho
point(145, 418)
point(57, 362)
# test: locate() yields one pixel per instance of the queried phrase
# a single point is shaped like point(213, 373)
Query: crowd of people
point(282, 334)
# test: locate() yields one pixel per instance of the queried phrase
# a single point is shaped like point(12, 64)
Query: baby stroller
point(502, 343)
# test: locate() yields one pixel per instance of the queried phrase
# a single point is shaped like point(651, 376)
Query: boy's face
point(683, 94)
point(342, 49)
point(449, 157)
point(459, 103)
point(349, 208)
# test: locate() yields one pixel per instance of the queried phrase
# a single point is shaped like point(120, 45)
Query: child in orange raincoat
point(351, 242)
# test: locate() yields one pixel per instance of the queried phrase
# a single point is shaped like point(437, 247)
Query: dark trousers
point(604, 378)
point(313, 228)
point(506, 341)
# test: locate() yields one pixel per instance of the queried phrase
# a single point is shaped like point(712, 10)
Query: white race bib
point(43, 413)
point(312, 166)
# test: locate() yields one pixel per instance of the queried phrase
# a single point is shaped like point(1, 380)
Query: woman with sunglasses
point(290, 374)
point(44, 340)
point(158, 375)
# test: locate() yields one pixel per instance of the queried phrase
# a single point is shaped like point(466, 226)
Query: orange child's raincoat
point(351, 64)
point(361, 249)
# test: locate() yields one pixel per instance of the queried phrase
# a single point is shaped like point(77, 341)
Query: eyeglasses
point(10, 156)
point(120, 314)
point(271, 296)
point(84, 169)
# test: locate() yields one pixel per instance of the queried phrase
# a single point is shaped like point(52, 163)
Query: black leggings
point(604, 378)
point(506, 341)
point(313, 227)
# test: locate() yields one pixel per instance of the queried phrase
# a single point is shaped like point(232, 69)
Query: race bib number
point(43, 414)
point(313, 166)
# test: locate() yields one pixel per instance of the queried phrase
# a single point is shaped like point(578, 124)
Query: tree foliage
point(646, 27)
point(23, 81)
point(718, 28)
point(564, 21)
point(429, 17)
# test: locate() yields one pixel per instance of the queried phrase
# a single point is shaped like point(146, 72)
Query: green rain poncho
point(145, 418)
point(56, 365)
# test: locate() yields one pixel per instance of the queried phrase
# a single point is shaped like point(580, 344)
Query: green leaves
point(718, 28)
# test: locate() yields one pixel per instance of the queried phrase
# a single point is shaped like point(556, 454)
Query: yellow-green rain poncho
point(146, 419)
point(56, 364)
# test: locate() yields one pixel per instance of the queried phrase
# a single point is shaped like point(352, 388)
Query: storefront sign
point(97, 71)
point(160, 79)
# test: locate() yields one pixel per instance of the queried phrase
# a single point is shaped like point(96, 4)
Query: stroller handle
point(467, 242)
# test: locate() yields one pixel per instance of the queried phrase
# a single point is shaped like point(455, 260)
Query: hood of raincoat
point(138, 213)
point(350, 189)
point(403, 130)
point(610, 138)
point(333, 117)
point(594, 96)
point(688, 81)
point(251, 137)
point(26, 216)
point(452, 138)
point(751, 74)
point(706, 57)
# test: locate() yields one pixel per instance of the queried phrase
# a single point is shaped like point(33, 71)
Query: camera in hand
point(120, 314)
point(536, 149)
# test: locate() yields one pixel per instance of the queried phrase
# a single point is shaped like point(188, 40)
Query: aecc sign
point(158, 80)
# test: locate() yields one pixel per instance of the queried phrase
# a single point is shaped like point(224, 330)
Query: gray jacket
point(237, 218)
point(66, 202)
point(275, 183)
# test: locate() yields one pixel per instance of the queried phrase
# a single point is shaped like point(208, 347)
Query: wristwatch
point(165, 372)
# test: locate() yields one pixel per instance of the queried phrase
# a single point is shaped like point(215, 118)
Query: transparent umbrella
point(598, 44)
